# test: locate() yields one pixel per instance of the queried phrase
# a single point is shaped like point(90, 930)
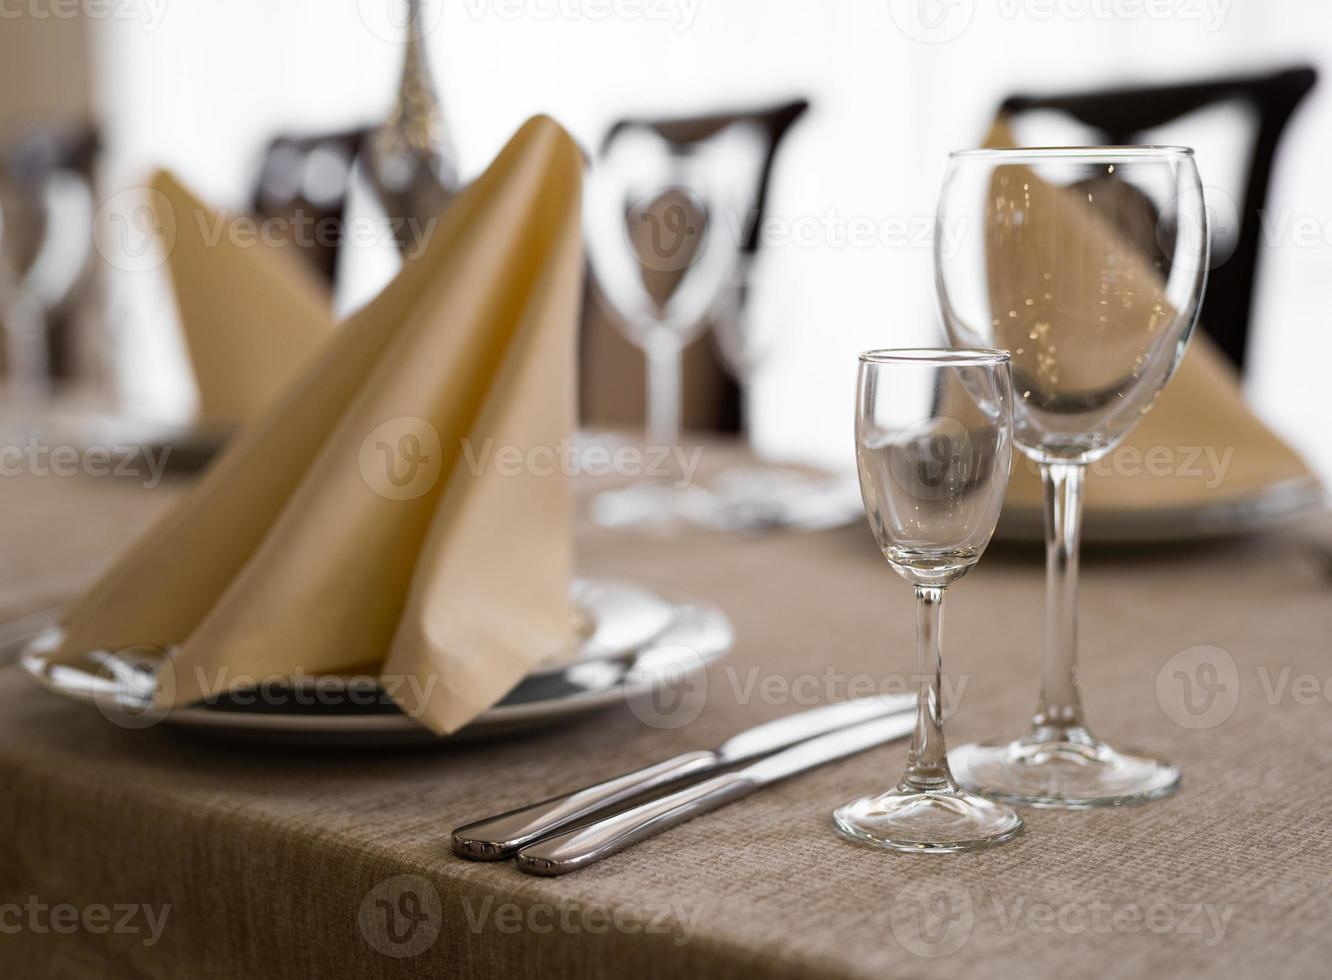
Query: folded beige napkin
point(360, 520)
point(252, 313)
point(1199, 444)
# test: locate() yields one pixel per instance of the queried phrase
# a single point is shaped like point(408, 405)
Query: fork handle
point(500, 837)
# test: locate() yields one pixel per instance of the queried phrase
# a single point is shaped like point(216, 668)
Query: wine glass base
point(750, 500)
point(938, 822)
point(650, 507)
point(1064, 774)
point(757, 498)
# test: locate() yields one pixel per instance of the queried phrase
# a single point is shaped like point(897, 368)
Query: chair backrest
point(48, 195)
point(612, 370)
point(308, 177)
point(1122, 114)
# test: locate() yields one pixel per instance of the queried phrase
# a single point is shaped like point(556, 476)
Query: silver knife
point(576, 849)
point(499, 837)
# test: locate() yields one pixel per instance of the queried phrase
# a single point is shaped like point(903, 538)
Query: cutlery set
point(569, 832)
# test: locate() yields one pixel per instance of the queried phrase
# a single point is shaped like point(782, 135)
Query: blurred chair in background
point(48, 298)
point(673, 223)
point(306, 180)
point(1121, 115)
point(613, 374)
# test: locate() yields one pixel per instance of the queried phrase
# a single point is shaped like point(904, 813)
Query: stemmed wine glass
point(1088, 265)
point(663, 252)
point(934, 433)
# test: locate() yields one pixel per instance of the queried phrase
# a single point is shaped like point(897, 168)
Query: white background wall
point(202, 85)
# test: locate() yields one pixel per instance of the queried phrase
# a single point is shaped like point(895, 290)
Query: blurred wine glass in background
point(663, 224)
point(46, 214)
point(765, 496)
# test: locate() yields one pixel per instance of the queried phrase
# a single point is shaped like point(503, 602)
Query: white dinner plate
point(638, 641)
point(1271, 508)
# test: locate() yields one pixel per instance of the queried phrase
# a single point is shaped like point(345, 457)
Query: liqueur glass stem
point(927, 763)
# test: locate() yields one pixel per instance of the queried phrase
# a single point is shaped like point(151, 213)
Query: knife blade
point(576, 849)
point(502, 836)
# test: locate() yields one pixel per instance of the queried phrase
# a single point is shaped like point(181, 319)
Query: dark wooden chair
point(47, 195)
point(1120, 115)
point(612, 370)
point(308, 177)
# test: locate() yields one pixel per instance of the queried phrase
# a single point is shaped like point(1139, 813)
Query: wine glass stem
point(665, 360)
point(1059, 712)
point(927, 762)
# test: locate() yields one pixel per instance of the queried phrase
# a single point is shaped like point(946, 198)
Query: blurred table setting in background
point(441, 497)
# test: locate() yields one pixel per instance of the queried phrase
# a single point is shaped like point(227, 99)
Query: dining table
point(226, 858)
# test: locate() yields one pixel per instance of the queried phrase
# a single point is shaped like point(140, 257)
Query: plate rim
point(1269, 507)
point(628, 686)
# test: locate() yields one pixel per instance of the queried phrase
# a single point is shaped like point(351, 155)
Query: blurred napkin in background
point(1198, 445)
point(252, 314)
point(357, 523)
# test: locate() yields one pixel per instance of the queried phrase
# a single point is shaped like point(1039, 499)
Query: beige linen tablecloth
point(284, 863)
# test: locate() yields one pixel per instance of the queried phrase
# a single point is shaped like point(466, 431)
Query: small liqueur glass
point(934, 432)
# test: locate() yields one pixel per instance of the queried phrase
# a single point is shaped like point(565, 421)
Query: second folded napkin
point(252, 315)
point(361, 522)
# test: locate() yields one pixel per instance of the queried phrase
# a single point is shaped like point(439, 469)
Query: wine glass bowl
point(1088, 265)
point(933, 436)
